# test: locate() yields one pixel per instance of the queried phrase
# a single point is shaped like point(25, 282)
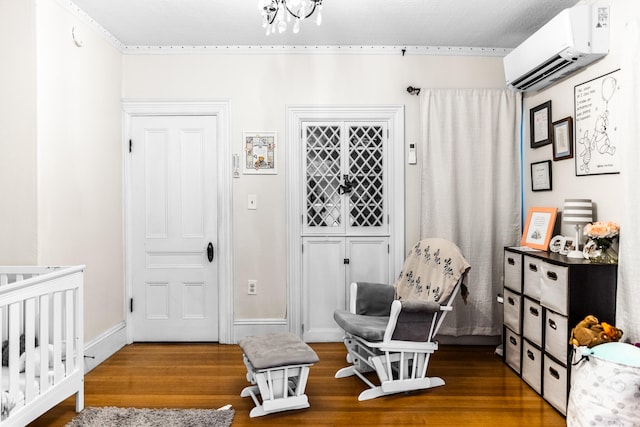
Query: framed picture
point(599, 115)
point(260, 152)
point(568, 245)
point(541, 176)
point(563, 139)
point(540, 125)
point(539, 227)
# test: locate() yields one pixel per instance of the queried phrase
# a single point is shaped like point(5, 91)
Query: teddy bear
point(590, 332)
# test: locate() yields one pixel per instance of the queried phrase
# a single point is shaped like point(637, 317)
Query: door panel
point(175, 294)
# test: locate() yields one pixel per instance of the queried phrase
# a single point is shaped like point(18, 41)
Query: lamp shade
point(577, 211)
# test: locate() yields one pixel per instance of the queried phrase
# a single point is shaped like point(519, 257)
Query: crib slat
point(44, 343)
point(29, 349)
point(57, 337)
point(69, 333)
point(14, 348)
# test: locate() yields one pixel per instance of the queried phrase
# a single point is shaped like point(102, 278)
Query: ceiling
point(452, 23)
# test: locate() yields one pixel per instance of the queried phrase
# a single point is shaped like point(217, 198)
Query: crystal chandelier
point(276, 14)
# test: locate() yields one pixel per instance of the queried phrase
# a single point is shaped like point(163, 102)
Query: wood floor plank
point(479, 391)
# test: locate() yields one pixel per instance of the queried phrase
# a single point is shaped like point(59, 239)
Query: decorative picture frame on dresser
point(539, 227)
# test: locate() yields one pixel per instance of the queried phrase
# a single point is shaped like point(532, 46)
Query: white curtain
point(628, 300)
point(471, 191)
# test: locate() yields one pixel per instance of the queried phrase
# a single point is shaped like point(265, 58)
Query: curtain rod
point(413, 90)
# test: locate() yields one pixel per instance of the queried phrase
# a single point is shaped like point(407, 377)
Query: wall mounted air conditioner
point(573, 39)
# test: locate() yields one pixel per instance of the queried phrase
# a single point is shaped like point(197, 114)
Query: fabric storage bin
point(512, 349)
point(555, 287)
point(532, 267)
point(555, 335)
point(513, 271)
point(554, 380)
point(604, 386)
point(512, 310)
point(532, 321)
point(532, 366)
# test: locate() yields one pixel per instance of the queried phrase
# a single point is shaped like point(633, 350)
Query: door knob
point(210, 252)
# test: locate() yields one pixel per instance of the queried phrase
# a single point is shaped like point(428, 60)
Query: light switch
point(252, 202)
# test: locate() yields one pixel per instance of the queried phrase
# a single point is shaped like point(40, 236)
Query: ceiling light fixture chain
point(277, 13)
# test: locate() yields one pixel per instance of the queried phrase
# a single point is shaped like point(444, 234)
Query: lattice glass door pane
point(366, 174)
point(323, 166)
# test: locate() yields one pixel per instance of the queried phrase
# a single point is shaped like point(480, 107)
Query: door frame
point(394, 116)
point(224, 250)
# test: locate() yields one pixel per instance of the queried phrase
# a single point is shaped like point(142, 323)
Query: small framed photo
point(568, 245)
point(260, 152)
point(541, 176)
point(539, 227)
point(563, 139)
point(540, 125)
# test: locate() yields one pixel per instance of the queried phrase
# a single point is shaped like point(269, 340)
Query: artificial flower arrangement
point(601, 235)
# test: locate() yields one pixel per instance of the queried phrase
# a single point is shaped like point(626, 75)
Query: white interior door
point(174, 189)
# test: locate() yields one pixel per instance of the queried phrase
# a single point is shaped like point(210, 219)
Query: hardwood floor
point(479, 391)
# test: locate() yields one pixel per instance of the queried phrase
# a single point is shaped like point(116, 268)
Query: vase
point(602, 251)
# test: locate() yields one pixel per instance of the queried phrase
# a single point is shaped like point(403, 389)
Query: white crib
point(41, 323)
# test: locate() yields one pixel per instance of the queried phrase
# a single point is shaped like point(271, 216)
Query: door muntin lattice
point(366, 172)
point(323, 166)
point(345, 182)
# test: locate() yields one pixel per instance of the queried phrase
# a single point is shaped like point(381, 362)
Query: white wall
point(602, 189)
point(80, 161)
point(259, 88)
point(18, 232)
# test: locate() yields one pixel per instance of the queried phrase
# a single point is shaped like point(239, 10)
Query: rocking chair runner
point(391, 329)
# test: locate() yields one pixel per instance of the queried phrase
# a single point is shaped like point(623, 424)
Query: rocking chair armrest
point(372, 299)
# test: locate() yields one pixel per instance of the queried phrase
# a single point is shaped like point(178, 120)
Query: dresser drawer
point(532, 366)
point(556, 335)
point(512, 349)
point(555, 288)
point(554, 380)
point(532, 268)
point(532, 321)
point(512, 304)
point(513, 271)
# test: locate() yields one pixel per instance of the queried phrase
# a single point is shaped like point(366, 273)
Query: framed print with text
point(540, 125)
point(541, 176)
point(260, 152)
point(599, 118)
point(539, 227)
point(563, 139)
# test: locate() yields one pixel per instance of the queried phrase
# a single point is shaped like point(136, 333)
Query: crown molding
point(316, 50)
point(279, 49)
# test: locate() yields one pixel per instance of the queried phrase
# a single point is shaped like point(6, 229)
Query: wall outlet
point(252, 287)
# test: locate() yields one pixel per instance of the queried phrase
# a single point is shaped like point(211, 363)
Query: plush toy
point(590, 332)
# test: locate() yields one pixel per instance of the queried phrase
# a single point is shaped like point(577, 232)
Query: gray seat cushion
point(278, 349)
point(371, 328)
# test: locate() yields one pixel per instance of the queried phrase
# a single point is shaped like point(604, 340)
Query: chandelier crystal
point(278, 14)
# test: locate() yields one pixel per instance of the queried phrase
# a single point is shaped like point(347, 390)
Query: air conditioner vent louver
point(573, 39)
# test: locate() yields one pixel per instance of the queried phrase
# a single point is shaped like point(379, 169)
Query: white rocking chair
point(391, 329)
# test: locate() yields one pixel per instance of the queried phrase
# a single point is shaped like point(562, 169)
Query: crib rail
point(41, 325)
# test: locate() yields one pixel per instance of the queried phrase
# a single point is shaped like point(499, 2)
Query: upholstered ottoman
point(278, 366)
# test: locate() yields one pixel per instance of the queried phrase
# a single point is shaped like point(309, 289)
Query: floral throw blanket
point(431, 270)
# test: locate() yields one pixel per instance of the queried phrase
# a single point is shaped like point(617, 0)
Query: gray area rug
point(136, 417)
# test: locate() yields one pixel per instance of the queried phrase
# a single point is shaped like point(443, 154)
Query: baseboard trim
point(104, 346)
point(246, 327)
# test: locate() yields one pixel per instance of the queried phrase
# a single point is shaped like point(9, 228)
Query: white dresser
point(545, 296)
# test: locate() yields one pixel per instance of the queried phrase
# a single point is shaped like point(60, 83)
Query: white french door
point(174, 228)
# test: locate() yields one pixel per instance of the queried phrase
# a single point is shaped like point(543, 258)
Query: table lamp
point(578, 212)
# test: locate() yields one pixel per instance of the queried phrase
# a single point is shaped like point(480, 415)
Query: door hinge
point(130, 145)
point(131, 305)
point(302, 248)
point(345, 261)
point(388, 248)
